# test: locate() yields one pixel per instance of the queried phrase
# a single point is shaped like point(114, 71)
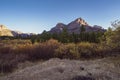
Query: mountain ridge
point(74, 27)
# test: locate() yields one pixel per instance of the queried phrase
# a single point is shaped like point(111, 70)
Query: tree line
point(66, 37)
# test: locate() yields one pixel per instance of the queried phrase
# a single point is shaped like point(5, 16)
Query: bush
point(69, 51)
point(44, 50)
point(88, 50)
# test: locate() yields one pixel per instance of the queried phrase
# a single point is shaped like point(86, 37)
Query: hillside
point(56, 69)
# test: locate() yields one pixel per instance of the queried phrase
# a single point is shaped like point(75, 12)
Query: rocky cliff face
point(4, 31)
point(75, 26)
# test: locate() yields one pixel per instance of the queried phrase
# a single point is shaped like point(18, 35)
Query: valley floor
point(57, 69)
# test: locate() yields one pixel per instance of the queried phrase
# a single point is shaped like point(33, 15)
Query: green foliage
point(116, 34)
point(82, 28)
point(112, 37)
point(64, 36)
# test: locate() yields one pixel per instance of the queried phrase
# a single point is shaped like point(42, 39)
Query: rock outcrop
point(4, 31)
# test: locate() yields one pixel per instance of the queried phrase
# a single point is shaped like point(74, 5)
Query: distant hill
point(4, 31)
point(75, 26)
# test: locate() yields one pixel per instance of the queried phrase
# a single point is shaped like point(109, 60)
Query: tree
point(112, 36)
point(82, 34)
point(55, 36)
point(45, 36)
point(64, 36)
point(92, 37)
point(115, 37)
point(33, 39)
point(82, 28)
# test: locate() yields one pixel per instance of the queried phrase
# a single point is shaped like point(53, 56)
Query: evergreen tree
point(45, 36)
point(33, 39)
point(64, 36)
point(82, 33)
point(55, 36)
point(82, 28)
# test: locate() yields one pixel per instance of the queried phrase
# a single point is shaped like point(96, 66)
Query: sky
point(38, 15)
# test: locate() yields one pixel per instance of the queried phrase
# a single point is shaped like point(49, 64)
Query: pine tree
point(64, 36)
point(82, 33)
point(82, 28)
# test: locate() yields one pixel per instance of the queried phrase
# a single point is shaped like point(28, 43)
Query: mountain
point(75, 26)
point(4, 31)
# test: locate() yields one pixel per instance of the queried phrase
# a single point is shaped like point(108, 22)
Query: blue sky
point(38, 15)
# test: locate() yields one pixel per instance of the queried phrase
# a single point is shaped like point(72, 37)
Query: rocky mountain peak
point(80, 21)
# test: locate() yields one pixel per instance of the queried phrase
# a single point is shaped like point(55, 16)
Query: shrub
point(69, 51)
point(44, 50)
point(87, 50)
